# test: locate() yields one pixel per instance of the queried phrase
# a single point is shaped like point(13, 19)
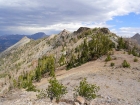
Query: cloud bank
point(30, 16)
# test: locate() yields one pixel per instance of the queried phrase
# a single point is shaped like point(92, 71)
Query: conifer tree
point(38, 74)
point(56, 89)
point(86, 90)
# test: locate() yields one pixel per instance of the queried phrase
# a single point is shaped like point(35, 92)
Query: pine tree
point(85, 52)
point(56, 89)
point(62, 60)
point(86, 90)
point(38, 74)
point(51, 66)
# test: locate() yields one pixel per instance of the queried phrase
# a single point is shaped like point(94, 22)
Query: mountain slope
point(25, 63)
point(8, 40)
point(115, 82)
point(25, 58)
point(20, 43)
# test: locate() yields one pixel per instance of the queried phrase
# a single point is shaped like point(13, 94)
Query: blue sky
point(131, 19)
point(126, 25)
point(30, 16)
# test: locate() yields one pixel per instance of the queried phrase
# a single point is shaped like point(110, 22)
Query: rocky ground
point(118, 85)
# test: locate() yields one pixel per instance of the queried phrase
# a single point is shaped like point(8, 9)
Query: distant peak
point(24, 38)
point(137, 34)
point(64, 32)
point(37, 35)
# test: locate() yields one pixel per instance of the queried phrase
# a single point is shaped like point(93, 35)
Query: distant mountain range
point(8, 40)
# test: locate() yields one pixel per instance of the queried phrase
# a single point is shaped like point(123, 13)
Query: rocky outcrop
point(81, 29)
point(76, 103)
point(64, 32)
point(80, 100)
point(105, 30)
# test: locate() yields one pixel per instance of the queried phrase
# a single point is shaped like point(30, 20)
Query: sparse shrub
point(42, 94)
point(129, 52)
point(31, 87)
point(108, 58)
point(3, 75)
point(46, 64)
point(122, 44)
point(139, 55)
point(135, 60)
point(74, 40)
point(134, 51)
point(24, 81)
point(56, 89)
point(14, 83)
point(125, 64)
point(37, 74)
point(95, 29)
point(110, 53)
point(112, 64)
point(88, 32)
point(62, 60)
point(86, 90)
point(71, 63)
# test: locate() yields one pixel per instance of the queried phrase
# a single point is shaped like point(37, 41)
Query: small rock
point(80, 99)
point(76, 103)
point(87, 102)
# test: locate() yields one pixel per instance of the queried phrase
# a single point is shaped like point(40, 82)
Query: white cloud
point(31, 15)
point(57, 27)
point(126, 31)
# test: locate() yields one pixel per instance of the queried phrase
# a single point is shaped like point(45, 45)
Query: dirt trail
point(84, 69)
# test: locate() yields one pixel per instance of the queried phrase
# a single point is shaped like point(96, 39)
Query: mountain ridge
point(20, 43)
point(70, 55)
